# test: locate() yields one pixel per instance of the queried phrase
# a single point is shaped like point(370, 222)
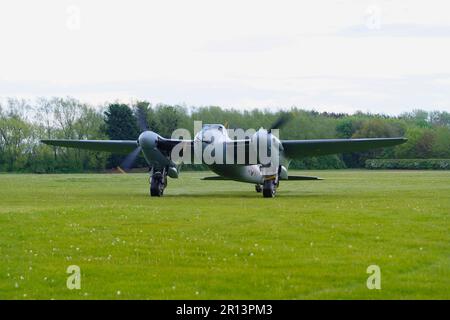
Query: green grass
point(220, 239)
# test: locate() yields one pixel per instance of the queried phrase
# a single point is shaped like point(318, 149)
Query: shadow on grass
point(244, 195)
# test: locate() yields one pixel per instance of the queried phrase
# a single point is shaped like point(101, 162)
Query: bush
point(412, 164)
point(313, 163)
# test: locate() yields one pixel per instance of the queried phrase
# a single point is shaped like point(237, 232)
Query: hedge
point(412, 164)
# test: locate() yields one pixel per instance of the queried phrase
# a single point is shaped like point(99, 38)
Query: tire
point(269, 189)
point(258, 188)
point(156, 187)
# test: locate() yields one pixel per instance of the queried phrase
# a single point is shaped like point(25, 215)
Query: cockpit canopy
point(219, 127)
point(212, 132)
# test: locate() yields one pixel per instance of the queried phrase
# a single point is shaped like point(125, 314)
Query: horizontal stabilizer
point(215, 178)
point(296, 178)
point(291, 178)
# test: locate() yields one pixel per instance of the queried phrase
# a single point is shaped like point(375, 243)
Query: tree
point(145, 115)
point(14, 133)
point(89, 126)
point(441, 143)
point(170, 118)
point(424, 145)
point(24, 123)
point(347, 128)
point(120, 124)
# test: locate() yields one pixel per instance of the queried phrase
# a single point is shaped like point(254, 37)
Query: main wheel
point(156, 186)
point(258, 188)
point(269, 189)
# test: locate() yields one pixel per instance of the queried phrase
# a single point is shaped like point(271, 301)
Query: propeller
point(142, 120)
point(282, 120)
point(130, 159)
point(128, 162)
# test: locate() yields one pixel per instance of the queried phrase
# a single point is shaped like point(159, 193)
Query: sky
point(336, 56)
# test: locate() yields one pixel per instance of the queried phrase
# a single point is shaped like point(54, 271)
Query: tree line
point(24, 123)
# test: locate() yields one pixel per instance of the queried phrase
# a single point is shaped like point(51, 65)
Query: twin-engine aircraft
point(261, 159)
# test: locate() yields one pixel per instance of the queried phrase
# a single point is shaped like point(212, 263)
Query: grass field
point(220, 239)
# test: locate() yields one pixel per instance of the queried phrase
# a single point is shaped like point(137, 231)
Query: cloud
point(389, 95)
point(239, 54)
point(397, 30)
point(256, 43)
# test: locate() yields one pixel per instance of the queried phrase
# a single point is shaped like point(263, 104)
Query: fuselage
point(212, 137)
point(217, 133)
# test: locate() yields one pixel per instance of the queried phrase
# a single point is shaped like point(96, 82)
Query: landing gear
point(258, 188)
point(158, 183)
point(269, 188)
point(271, 180)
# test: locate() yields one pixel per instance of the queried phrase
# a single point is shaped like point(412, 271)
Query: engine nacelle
point(148, 141)
point(283, 173)
point(172, 172)
point(266, 147)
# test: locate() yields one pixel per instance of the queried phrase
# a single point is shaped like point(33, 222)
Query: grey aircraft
point(241, 159)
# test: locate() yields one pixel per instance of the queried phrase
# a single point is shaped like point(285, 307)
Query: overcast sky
point(342, 56)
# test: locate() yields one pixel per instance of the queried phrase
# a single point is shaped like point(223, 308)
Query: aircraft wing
point(306, 148)
point(292, 148)
point(168, 144)
point(113, 146)
point(303, 148)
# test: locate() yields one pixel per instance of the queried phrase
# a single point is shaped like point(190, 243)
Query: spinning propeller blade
point(281, 121)
point(142, 120)
point(128, 162)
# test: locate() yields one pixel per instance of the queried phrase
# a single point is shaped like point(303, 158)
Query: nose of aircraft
point(148, 139)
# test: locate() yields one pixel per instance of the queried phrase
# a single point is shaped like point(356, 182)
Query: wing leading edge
point(292, 148)
point(308, 148)
point(113, 146)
